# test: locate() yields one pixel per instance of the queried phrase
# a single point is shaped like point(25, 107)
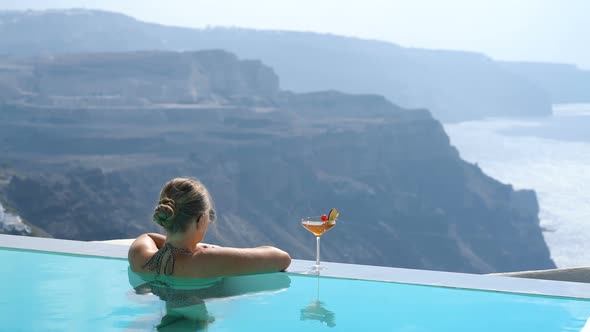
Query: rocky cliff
point(406, 197)
point(564, 83)
point(136, 79)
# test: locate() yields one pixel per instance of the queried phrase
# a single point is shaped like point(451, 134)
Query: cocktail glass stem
point(317, 256)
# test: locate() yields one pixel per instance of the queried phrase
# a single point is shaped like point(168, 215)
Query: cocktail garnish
point(324, 217)
point(333, 215)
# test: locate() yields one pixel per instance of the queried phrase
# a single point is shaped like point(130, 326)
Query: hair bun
point(165, 212)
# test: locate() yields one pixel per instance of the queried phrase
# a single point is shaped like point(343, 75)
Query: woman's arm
point(220, 261)
point(206, 245)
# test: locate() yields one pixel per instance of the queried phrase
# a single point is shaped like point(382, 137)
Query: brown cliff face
point(406, 197)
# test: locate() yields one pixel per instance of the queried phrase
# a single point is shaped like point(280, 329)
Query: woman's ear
point(202, 220)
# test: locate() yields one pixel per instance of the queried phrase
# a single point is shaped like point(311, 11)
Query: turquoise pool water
point(55, 292)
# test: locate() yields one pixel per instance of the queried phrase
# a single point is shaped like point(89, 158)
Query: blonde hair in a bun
point(182, 200)
point(165, 212)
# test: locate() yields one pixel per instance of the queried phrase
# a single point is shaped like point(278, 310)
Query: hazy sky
point(533, 30)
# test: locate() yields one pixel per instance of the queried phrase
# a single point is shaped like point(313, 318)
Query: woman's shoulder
point(141, 250)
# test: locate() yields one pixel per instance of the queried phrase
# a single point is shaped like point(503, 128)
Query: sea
point(550, 155)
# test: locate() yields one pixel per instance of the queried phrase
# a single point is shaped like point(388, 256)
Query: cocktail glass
point(317, 227)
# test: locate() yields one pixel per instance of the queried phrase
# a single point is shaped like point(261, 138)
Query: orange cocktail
point(318, 226)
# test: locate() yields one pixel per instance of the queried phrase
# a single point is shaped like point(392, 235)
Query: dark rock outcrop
point(81, 204)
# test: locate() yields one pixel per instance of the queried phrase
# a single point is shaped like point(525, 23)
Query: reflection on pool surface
point(43, 291)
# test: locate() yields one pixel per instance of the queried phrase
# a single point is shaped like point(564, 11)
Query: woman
point(185, 211)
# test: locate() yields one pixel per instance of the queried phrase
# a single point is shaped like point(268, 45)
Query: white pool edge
point(338, 270)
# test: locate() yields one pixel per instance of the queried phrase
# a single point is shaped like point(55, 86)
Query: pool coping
point(338, 270)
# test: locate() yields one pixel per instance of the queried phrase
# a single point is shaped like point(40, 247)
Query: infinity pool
point(43, 291)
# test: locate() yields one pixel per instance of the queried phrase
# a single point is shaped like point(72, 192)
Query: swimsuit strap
point(155, 263)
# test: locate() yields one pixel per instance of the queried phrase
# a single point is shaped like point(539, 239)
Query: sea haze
point(550, 155)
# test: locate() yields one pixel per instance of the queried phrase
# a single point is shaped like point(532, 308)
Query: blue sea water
point(55, 292)
point(550, 155)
